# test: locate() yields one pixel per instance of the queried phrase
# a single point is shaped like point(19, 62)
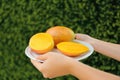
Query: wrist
point(73, 67)
point(91, 41)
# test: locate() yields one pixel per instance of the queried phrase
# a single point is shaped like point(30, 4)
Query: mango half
point(41, 43)
point(72, 49)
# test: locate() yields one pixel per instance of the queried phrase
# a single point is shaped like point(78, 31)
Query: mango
point(72, 49)
point(61, 34)
point(41, 43)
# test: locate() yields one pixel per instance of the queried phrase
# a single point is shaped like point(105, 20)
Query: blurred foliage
point(20, 19)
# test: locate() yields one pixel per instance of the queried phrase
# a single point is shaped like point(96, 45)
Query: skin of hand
point(84, 37)
point(54, 64)
point(105, 48)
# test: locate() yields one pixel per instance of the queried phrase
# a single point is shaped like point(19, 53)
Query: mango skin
point(61, 34)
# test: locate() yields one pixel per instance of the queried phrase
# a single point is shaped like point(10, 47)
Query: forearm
point(106, 48)
point(84, 72)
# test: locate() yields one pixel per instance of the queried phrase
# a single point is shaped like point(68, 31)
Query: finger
point(44, 56)
point(80, 36)
point(36, 64)
point(77, 36)
point(45, 75)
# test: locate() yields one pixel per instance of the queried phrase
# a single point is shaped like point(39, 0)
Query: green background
point(20, 19)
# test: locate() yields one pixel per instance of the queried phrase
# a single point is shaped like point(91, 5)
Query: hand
point(105, 48)
point(85, 38)
point(54, 64)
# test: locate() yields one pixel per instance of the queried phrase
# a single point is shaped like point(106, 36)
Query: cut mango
point(41, 43)
point(72, 48)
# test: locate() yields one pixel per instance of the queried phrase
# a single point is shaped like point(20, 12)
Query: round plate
point(33, 55)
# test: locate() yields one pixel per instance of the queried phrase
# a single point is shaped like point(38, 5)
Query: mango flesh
point(61, 34)
point(41, 43)
point(72, 49)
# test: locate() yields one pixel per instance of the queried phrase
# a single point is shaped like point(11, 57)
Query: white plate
point(33, 55)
